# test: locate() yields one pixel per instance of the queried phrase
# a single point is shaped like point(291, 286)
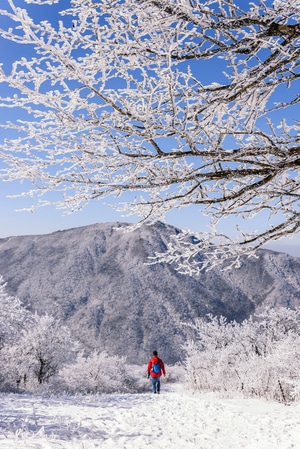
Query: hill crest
point(96, 280)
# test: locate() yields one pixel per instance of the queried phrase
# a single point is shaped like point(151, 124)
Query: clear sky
point(48, 219)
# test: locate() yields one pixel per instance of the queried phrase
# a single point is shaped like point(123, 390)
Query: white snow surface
point(174, 419)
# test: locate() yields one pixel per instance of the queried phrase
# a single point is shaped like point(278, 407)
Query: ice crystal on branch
point(183, 103)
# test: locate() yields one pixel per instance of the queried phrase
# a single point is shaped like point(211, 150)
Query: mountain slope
point(96, 279)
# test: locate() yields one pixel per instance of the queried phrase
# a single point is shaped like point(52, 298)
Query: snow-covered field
point(173, 419)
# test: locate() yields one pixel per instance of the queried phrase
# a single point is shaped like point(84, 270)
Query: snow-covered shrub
point(96, 373)
point(41, 350)
point(32, 348)
point(259, 357)
point(174, 373)
point(13, 317)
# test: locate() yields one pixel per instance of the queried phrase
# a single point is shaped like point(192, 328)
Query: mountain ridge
point(97, 281)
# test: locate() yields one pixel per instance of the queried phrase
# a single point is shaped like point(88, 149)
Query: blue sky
point(48, 219)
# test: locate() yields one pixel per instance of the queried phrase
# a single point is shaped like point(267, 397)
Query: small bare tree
point(186, 102)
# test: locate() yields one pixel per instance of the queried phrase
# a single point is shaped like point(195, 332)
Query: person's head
point(155, 353)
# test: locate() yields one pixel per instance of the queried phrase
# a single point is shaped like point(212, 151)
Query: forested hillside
point(97, 281)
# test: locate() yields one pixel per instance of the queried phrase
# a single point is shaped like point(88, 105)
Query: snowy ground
point(173, 419)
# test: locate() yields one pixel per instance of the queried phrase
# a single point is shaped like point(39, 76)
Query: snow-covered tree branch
point(259, 356)
point(14, 318)
point(166, 103)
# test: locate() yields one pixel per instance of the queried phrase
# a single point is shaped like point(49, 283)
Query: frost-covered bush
point(13, 317)
point(38, 354)
point(96, 373)
point(258, 357)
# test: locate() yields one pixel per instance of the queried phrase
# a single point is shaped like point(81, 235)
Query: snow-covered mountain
point(96, 280)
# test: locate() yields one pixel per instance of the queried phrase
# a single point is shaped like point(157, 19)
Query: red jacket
point(153, 361)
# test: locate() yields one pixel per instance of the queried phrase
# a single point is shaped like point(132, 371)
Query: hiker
point(155, 368)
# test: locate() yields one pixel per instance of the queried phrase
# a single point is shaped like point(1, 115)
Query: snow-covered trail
point(174, 419)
